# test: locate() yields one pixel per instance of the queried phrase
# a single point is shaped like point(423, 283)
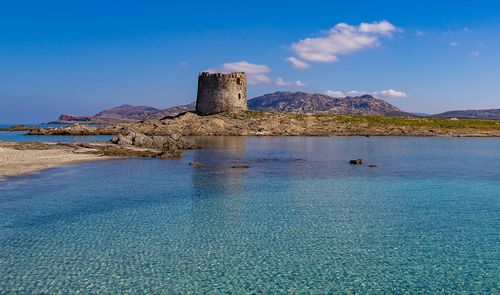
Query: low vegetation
point(263, 123)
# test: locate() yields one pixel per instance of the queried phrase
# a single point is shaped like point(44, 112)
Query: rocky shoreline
point(25, 157)
point(165, 138)
point(288, 124)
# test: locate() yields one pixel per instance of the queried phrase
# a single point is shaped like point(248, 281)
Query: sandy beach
point(25, 157)
point(15, 161)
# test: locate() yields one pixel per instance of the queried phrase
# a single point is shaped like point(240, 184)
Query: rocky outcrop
point(19, 128)
point(116, 150)
point(162, 143)
point(76, 130)
point(132, 144)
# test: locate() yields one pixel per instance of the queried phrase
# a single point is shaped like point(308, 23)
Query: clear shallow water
point(300, 219)
point(21, 136)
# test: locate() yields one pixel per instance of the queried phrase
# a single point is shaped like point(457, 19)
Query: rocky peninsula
point(251, 123)
point(164, 138)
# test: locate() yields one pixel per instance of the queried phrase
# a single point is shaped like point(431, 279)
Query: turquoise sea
point(300, 219)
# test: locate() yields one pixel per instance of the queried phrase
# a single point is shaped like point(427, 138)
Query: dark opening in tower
point(239, 95)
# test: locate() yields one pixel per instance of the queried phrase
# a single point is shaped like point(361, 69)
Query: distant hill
point(476, 114)
point(174, 111)
point(422, 114)
point(281, 102)
point(124, 114)
point(130, 112)
point(301, 102)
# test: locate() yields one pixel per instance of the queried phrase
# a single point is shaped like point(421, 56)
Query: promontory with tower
point(222, 108)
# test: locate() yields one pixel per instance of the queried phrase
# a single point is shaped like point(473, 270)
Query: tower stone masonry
point(220, 93)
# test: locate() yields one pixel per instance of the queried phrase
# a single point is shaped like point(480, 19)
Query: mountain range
point(281, 101)
point(314, 103)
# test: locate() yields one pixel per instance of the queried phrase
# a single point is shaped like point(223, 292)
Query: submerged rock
point(373, 165)
point(356, 162)
point(240, 166)
point(197, 164)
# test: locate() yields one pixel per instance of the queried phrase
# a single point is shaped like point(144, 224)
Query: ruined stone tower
point(218, 93)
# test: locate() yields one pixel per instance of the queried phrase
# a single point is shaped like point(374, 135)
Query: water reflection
point(219, 169)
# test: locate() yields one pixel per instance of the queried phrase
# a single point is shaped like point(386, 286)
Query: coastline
point(16, 162)
point(251, 123)
point(18, 158)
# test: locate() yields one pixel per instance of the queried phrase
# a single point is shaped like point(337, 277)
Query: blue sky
point(80, 57)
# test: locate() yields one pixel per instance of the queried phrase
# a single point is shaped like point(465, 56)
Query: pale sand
point(16, 162)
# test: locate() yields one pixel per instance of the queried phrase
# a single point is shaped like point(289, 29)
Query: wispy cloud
point(281, 82)
point(393, 93)
point(340, 40)
point(388, 93)
point(256, 74)
point(419, 33)
point(297, 63)
point(475, 53)
point(335, 93)
point(454, 44)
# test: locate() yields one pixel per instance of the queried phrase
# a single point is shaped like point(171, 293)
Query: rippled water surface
point(299, 219)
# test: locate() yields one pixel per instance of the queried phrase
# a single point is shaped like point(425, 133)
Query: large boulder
point(162, 143)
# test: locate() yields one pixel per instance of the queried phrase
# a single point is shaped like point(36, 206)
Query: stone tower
point(218, 93)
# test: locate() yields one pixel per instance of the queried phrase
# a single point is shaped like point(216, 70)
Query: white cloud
point(256, 74)
point(388, 93)
point(281, 82)
point(297, 63)
point(335, 93)
point(474, 53)
point(342, 39)
point(383, 28)
point(299, 83)
point(454, 44)
point(393, 93)
point(419, 33)
point(358, 93)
